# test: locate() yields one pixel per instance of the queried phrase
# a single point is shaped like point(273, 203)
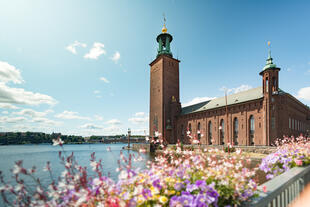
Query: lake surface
point(38, 155)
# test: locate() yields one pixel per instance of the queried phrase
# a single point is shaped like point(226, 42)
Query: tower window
point(266, 84)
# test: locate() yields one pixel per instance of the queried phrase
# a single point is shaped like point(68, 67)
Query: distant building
point(254, 117)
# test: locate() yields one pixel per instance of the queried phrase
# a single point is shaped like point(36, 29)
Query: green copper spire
point(164, 39)
point(269, 63)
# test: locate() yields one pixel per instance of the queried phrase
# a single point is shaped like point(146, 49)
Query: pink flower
point(298, 162)
point(264, 189)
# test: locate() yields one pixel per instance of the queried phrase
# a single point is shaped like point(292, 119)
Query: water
point(38, 155)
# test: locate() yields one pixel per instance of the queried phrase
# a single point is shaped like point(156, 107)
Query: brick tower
point(270, 75)
point(164, 90)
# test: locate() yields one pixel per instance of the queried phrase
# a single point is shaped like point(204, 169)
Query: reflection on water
point(38, 155)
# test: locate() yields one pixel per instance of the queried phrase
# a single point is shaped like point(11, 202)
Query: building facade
point(254, 117)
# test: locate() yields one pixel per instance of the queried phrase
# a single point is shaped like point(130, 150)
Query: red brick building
point(254, 117)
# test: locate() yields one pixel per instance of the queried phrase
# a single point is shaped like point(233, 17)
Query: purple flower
point(178, 186)
point(146, 193)
point(156, 183)
point(191, 187)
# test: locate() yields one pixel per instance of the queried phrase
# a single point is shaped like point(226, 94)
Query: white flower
point(17, 169)
point(188, 132)
point(94, 165)
point(157, 134)
point(57, 141)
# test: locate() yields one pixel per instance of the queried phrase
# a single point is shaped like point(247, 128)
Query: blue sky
point(82, 67)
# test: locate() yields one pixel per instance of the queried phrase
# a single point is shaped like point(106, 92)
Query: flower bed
point(291, 152)
point(175, 178)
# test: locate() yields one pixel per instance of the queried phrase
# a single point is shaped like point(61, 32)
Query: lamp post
point(129, 133)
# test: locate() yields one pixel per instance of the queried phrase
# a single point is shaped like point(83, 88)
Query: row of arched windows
point(296, 125)
point(222, 131)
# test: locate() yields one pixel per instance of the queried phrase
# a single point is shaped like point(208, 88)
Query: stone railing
point(282, 189)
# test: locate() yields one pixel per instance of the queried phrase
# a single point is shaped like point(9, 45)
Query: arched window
point(266, 85)
point(289, 123)
point(274, 83)
point(182, 132)
point(190, 128)
point(236, 130)
point(252, 130)
point(222, 132)
point(210, 132)
point(198, 131)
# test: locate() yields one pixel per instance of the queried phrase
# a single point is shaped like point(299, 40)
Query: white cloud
point(71, 115)
point(114, 122)
point(32, 113)
point(138, 120)
point(72, 47)
point(104, 80)
point(46, 121)
point(91, 126)
point(304, 93)
point(139, 131)
point(6, 119)
point(5, 112)
point(139, 114)
point(20, 96)
point(112, 130)
point(197, 100)
point(96, 92)
point(116, 57)
point(98, 118)
point(8, 106)
point(95, 51)
point(8, 73)
point(237, 89)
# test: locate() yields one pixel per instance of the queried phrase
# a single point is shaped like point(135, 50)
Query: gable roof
point(244, 96)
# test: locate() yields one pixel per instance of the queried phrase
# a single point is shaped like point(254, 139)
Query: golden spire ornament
point(164, 29)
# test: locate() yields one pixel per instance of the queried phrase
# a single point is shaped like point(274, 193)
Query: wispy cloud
point(239, 89)
point(98, 118)
point(96, 91)
point(139, 114)
point(197, 100)
point(45, 121)
point(114, 122)
point(8, 106)
point(72, 47)
point(116, 56)
point(71, 115)
point(95, 51)
point(32, 113)
point(6, 119)
point(104, 80)
point(139, 118)
point(91, 126)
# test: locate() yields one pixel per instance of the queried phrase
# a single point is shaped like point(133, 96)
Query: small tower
point(164, 39)
point(270, 75)
point(164, 90)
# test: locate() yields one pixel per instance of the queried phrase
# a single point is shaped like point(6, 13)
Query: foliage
point(7, 138)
